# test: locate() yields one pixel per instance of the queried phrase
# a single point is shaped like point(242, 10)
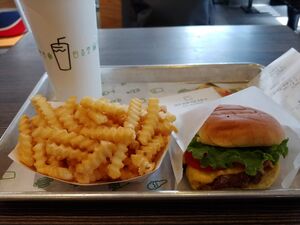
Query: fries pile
point(94, 140)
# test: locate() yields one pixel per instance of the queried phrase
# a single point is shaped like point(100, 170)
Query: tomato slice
point(195, 163)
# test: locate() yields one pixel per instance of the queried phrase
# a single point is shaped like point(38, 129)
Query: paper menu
point(281, 81)
point(189, 122)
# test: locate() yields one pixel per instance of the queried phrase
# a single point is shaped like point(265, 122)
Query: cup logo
point(61, 52)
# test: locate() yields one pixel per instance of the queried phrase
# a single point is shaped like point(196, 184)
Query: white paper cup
point(67, 38)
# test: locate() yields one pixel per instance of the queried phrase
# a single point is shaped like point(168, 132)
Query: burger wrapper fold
point(189, 122)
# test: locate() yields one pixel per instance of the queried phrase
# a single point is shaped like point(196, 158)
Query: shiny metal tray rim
point(149, 195)
point(173, 67)
point(144, 195)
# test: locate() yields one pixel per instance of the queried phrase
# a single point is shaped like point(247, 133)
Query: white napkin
point(281, 81)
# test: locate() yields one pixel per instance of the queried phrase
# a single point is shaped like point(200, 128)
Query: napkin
point(281, 81)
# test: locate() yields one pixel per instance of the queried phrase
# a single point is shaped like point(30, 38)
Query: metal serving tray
point(111, 78)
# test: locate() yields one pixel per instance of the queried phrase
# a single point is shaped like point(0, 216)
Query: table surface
point(21, 67)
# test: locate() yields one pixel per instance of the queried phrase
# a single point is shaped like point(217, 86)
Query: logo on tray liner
point(8, 175)
point(156, 90)
point(155, 184)
point(117, 186)
point(43, 182)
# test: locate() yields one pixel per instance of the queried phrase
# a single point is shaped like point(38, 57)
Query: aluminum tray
point(217, 73)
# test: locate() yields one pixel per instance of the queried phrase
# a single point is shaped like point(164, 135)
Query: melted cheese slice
point(198, 178)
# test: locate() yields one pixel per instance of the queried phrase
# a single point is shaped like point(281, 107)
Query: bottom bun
point(266, 181)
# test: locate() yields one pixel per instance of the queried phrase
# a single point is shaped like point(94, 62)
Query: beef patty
point(239, 180)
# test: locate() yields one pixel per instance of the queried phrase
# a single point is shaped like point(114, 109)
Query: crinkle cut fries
point(94, 140)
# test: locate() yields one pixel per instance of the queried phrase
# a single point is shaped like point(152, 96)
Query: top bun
point(239, 126)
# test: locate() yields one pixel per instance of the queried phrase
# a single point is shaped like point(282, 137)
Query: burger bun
point(239, 126)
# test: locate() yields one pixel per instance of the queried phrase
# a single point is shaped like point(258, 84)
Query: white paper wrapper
point(188, 123)
point(184, 102)
point(14, 156)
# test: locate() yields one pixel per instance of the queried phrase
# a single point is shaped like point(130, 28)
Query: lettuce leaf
point(252, 158)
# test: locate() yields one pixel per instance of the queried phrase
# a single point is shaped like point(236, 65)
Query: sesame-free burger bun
point(239, 126)
point(268, 178)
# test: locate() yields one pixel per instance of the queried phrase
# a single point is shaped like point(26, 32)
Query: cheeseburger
point(237, 147)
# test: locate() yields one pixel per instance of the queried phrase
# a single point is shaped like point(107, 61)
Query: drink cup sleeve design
point(61, 52)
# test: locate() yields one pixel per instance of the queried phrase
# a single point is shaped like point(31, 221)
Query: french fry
point(113, 169)
point(24, 147)
point(113, 134)
point(45, 110)
point(66, 115)
point(150, 123)
point(134, 114)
